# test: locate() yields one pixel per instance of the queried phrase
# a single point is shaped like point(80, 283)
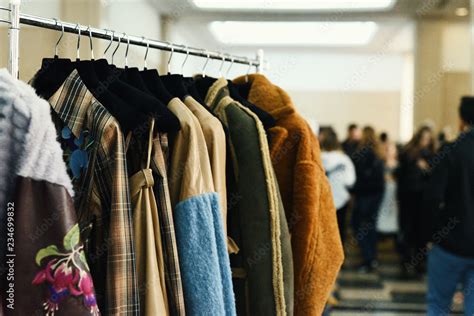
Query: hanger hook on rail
point(90, 42)
point(110, 43)
point(78, 57)
point(230, 66)
point(59, 39)
point(222, 64)
point(205, 64)
point(146, 53)
point(185, 59)
point(118, 44)
point(126, 51)
point(169, 59)
point(248, 70)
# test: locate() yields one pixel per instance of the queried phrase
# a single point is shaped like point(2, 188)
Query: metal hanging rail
point(16, 18)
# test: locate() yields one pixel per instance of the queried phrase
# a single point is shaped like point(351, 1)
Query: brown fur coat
point(306, 194)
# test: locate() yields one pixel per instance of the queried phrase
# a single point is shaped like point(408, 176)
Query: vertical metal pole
point(261, 61)
point(14, 34)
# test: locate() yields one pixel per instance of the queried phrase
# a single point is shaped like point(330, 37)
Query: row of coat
point(163, 195)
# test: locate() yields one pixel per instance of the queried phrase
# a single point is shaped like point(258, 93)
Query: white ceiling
point(395, 34)
point(405, 8)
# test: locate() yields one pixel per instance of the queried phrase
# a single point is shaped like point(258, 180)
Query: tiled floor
point(382, 293)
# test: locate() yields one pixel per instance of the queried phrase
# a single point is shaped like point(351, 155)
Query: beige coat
point(148, 245)
point(215, 140)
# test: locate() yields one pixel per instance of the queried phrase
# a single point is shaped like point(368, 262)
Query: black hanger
point(174, 83)
point(151, 79)
point(53, 72)
point(132, 76)
point(143, 101)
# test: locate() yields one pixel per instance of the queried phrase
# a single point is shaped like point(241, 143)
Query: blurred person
point(323, 132)
point(445, 136)
point(352, 141)
point(368, 190)
point(412, 178)
point(449, 199)
point(341, 173)
point(384, 139)
point(387, 221)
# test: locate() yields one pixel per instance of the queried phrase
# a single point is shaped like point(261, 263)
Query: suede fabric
point(306, 194)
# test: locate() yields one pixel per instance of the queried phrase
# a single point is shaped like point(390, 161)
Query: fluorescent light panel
point(293, 33)
point(317, 5)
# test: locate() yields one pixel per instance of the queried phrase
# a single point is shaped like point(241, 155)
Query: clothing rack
point(17, 18)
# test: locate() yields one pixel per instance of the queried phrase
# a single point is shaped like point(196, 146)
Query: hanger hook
point(116, 48)
point(222, 64)
point(171, 56)
point(111, 41)
point(90, 41)
point(126, 51)
point(185, 59)
point(59, 39)
point(248, 70)
point(146, 53)
point(230, 66)
point(205, 64)
point(78, 41)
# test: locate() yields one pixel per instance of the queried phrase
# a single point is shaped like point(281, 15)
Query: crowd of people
point(421, 193)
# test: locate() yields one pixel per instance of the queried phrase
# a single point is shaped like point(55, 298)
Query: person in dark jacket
point(368, 190)
point(449, 199)
point(349, 146)
point(413, 174)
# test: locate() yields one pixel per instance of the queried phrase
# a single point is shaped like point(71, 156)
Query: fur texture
point(204, 262)
point(306, 194)
point(42, 158)
point(15, 119)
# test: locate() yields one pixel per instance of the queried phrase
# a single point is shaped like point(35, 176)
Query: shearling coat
point(263, 268)
point(306, 194)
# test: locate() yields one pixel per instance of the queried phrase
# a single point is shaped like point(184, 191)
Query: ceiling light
point(317, 5)
point(462, 12)
point(294, 33)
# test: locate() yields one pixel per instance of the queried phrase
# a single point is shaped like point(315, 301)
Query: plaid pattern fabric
point(170, 251)
point(103, 204)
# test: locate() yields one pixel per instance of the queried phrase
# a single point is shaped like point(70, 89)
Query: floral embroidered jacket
point(45, 271)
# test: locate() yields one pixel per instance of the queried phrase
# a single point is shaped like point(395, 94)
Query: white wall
point(456, 46)
point(332, 86)
point(135, 17)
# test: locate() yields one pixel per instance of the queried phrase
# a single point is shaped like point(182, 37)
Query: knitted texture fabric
point(204, 262)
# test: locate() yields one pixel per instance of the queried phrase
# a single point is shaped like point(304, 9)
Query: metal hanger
point(205, 64)
point(116, 48)
point(59, 39)
point(230, 66)
point(126, 51)
point(185, 59)
point(169, 59)
point(248, 70)
point(222, 65)
point(110, 43)
point(146, 53)
point(78, 57)
point(90, 41)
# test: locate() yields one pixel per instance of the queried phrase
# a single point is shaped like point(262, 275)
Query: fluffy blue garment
point(203, 258)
